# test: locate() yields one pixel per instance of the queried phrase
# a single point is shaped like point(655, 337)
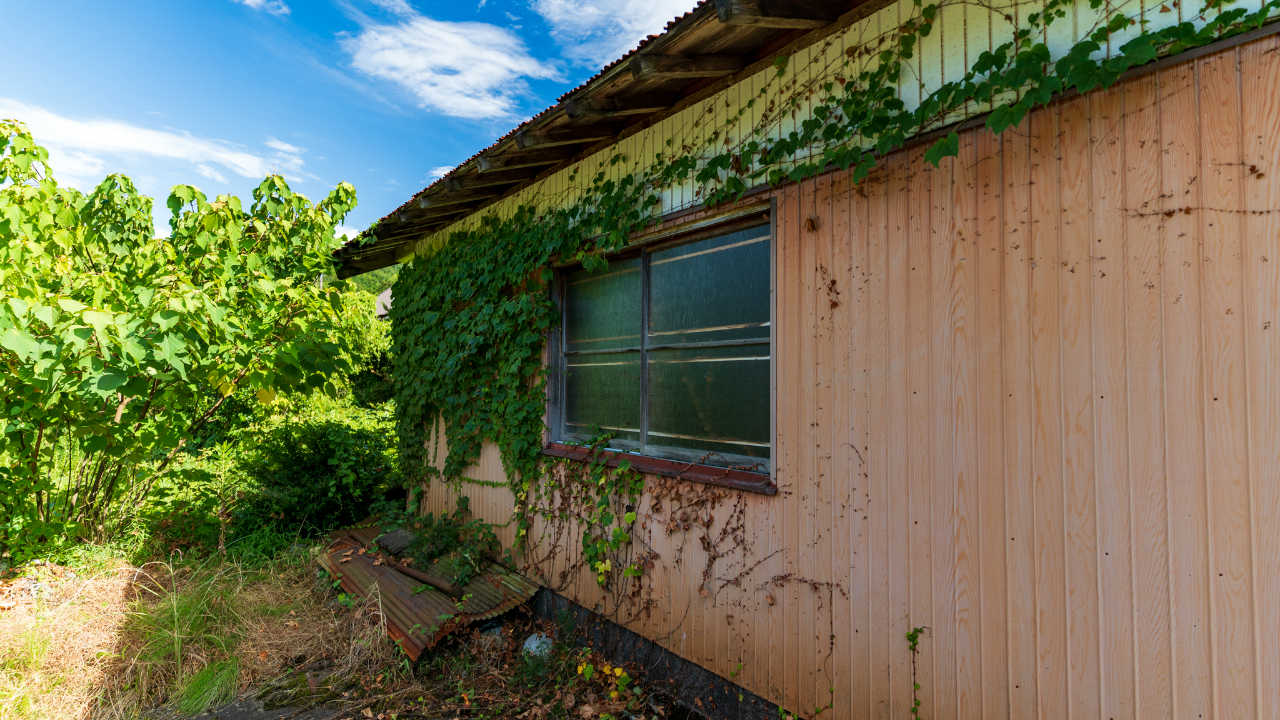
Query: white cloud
point(287, 160)
point(596, 32)
point(346, 231)
point(463, 69)
point(282, 146)
point(436, 173)
point(275, 7)
point(397, 7)
point(210, 173)
point(78, 169)
point(83, 150)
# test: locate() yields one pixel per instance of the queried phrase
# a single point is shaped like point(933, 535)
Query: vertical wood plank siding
point(1029, 400)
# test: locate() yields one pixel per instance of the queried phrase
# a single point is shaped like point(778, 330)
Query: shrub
point(120, 344)
point(317, 470)
point(372, 385)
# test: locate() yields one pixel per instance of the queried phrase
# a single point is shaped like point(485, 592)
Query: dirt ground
point(106, 640)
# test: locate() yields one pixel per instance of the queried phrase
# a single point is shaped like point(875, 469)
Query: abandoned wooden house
point(1021, 405)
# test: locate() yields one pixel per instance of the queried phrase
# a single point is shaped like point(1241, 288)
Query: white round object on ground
point(538, 645)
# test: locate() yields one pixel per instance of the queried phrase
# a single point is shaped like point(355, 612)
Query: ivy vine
point(471, 316)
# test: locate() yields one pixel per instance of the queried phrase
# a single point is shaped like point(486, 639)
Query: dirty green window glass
point(669, 352)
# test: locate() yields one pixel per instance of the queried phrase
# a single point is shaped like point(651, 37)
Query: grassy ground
point(99, 638)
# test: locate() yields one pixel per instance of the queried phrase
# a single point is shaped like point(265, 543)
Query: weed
point(617, 682)
point(174, 616)
point(913, 644)
point(18, 699)
point(457, 543)
point(53, 644)
point(30, 653)
point(213, 685)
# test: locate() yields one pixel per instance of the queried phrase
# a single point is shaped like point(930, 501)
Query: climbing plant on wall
point(473, 311)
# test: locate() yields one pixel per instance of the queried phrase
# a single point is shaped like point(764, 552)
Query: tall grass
point(18, 697)
point(212, 685)
point(184, 622)
point(106, 640)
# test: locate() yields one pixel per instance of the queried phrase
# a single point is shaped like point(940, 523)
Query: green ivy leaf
point(780, 64)
point(948, 146)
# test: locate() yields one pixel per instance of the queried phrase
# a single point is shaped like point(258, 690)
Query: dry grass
point(108, 640)
point(57, 637)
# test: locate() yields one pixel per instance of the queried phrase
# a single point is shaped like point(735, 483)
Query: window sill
point(707, 474)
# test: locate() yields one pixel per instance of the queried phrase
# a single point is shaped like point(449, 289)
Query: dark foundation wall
point(700, 691)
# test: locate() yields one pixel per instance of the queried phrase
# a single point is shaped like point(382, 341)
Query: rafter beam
point(784, 14)
point(489, 180)
point(666, 67)
point(446, 200)
point(488, 164)
point(415, 222)
point(613, 108)
point(534, 139)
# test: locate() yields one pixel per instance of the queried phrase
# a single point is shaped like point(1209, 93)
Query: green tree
point(118, 346)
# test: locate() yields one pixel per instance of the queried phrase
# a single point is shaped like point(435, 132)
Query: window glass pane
point(710, 400)
point(602, 310)
point(602, 393)
point(711, 290)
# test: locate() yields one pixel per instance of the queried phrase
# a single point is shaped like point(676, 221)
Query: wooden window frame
point(739, 479)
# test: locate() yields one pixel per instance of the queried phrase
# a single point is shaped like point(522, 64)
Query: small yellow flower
point(608, 668)
point(617, 671)
point(614, 695)
point(580, 669)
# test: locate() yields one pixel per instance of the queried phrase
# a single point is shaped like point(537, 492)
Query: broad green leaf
point(20, 344)
point(71, 306)
point(111, 380)
point(44, 314)
point(97, 319)
point(133, 349)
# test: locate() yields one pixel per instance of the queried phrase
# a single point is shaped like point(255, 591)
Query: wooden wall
point(1029, 400)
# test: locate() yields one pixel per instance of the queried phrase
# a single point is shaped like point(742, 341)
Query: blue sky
point(385, 94)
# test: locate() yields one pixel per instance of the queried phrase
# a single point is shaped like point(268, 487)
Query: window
point(669, 350)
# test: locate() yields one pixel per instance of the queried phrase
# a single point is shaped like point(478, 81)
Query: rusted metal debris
point(420, 606)
point(395, 543)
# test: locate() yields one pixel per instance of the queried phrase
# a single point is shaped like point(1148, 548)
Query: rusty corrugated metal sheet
point(372, 539)
point(417, 614)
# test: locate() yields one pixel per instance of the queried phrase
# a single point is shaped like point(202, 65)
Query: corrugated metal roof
point(418, 614)
point(632, 101)
point(568, 95)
